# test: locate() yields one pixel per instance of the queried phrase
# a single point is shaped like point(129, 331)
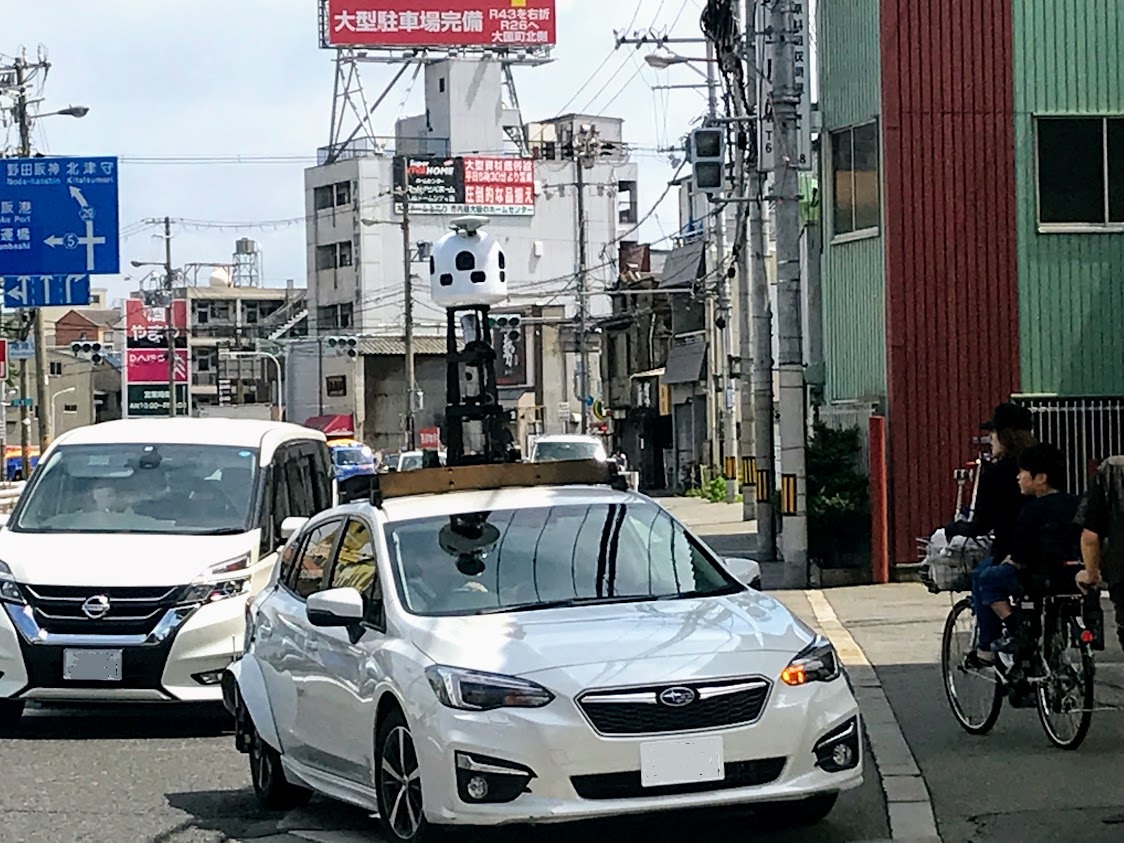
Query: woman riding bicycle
point(998, 503)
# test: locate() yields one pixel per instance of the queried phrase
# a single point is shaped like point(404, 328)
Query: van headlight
point(212, 589)
point(9, 591)
point(815, 663)
point(471, 690)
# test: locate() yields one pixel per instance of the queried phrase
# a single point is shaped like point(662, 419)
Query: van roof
point(238, 433)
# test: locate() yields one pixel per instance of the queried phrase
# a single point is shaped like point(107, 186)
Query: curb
point(908, 802)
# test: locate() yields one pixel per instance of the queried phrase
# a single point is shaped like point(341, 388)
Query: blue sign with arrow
point(59, 216)
point(46, 290)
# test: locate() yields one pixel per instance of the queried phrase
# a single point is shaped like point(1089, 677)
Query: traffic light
point(344, 346)
point(510, 324)
point(708, 158)
point(91, 349)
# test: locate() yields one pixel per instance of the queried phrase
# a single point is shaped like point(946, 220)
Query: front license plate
point(687, 761)
point(91, 665)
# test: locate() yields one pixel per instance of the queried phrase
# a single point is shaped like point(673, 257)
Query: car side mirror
point(336, 607)
point(290, 526)
point(745, 571)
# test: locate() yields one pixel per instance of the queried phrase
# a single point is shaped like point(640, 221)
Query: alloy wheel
point(401, 784)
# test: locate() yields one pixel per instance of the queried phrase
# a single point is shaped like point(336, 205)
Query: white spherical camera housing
point(467, 266)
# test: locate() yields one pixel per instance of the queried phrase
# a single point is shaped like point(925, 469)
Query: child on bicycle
point(1044, 539)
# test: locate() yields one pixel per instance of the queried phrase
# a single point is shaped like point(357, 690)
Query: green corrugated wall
point(854, 300)
point(1069, 59)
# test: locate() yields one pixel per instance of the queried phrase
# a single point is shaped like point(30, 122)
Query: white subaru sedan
point(530, 655)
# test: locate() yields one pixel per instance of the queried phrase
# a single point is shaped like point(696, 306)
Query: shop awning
point(651, 373)
point(335, 425)
point(685, 265)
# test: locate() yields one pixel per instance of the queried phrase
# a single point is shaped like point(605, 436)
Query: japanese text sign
point(437, 23)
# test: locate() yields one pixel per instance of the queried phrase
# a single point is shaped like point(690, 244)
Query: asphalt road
point(1011, 784)
point(171, 775)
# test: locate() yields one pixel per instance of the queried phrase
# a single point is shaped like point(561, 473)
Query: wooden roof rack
point(433, 481)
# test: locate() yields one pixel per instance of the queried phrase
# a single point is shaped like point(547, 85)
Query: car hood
point(703, 637)
point(114, 559)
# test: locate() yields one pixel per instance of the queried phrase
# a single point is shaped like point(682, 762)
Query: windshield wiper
point(563, 604)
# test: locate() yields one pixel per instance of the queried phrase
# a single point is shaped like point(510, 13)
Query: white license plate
point(687, 761)
point(91, 665)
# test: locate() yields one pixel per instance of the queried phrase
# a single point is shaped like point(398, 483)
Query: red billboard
point(437, 23)
point(150, 365)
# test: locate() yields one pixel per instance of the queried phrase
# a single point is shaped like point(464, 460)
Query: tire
point(271, 787)
point(799, 813)
point(398, 782)
point(1085, 692)
point(10, 713)
point(971, 723)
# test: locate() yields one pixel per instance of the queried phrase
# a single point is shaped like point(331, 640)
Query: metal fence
point(1087, 430)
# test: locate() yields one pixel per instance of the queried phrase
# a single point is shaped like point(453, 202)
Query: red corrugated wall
point(951, 275)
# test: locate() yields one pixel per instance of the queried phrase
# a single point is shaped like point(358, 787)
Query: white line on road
point(907, 796)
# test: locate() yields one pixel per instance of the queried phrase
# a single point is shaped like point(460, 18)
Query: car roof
point(569, 437)
point(525, 497)
point(238, 433)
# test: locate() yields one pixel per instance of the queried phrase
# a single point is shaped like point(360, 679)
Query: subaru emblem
point(96, 607)
point(677, 697)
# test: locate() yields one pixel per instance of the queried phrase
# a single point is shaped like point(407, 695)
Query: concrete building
point(356, 279)
point(80, 393)
point(974, 231)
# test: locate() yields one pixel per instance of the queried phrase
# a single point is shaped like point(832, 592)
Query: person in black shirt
point(1045, 538)
point(1102, 540)
point(998, 502)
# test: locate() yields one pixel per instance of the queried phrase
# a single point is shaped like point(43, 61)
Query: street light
point(78, 111)
point(55, 398)
point(662, 61)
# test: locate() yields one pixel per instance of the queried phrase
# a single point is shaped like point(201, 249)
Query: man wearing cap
point(1102, 538)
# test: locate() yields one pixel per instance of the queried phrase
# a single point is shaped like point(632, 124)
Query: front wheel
point(1065, 695)
point(975, 694)
point(10, 713)
point(398, 782)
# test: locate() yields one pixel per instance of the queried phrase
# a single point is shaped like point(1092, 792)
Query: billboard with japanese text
point(146, 357)
point(437, 23)
point(496, 185)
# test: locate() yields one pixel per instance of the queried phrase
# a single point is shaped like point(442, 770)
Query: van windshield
point(138, 488)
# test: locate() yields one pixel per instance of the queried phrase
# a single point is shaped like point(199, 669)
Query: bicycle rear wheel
point(1065, 696)
point(975, 695)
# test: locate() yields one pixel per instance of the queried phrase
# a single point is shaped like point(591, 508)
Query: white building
point(355, 243)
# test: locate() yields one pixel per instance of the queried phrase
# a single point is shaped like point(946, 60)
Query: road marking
point(908, 802)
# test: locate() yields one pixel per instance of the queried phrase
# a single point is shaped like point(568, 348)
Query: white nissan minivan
point(126, 566)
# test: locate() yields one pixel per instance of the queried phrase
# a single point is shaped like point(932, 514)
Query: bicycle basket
point(948, 565)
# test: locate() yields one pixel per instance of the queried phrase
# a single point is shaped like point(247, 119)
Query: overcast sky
point(187, 79)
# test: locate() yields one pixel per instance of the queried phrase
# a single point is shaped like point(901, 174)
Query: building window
point(327, 316)
point(331, 195)
point(334, 255)
point(70, 408)
point(344, 252)
point(343, 193)
point(336, 386)
point(857, 206)
point(55, 368)
point(347, 315)
point(1080, 171)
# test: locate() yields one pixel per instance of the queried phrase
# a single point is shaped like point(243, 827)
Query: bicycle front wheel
point(1066, 693)
point(975, 695)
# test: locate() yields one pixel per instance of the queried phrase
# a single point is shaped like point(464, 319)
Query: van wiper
point(563, 604)
point(222, 531)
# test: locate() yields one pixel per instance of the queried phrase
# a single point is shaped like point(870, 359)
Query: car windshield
point(410, 462)
point(135, 488)
point(537, 558)
point(561, 451)
point(352, 456)
point(390, 461)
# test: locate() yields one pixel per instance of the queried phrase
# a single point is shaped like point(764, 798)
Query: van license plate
point(91, 665)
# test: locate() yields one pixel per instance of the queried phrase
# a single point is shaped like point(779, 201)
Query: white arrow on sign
point(76, 194)
point(54, 240)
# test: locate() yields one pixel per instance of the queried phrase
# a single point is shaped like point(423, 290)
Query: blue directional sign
point(21, 350)
point(59, 216)
point(46, 290)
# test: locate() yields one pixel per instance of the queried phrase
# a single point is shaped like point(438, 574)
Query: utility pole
point(170, 329)
point(786, 95)
point(38, 329)
point(586, 148)
point(411, 377)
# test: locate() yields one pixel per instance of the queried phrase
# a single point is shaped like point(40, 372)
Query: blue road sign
point(46, 290)
point(21, 349)
point(59, 216)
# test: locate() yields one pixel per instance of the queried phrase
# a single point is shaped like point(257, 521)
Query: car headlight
point(212, 589)
point(815, 663)
point(9, 591)
point(474, 691)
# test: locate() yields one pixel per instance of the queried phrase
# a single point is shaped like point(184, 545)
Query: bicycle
point(1063, 688)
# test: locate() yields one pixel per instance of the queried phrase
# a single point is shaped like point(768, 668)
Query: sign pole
point(411, 377)
point(24, 120)
point(170, 318)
